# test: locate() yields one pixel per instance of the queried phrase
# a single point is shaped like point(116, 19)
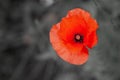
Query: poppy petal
point(78, 12)
point(93, 26)
point(91, 40)
point(89, 21)
point(74, 54)
point(71, 26)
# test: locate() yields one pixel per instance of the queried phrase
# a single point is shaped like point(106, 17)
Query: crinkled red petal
point(71, 26)
point(91, 40)
point(90, 22)
point(78, 12)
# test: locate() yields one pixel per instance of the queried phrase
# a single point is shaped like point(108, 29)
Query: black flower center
point(78, 38)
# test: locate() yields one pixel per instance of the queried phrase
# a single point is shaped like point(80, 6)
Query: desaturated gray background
point(25, 50)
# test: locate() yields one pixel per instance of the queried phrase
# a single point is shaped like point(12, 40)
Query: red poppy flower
point(73, 34)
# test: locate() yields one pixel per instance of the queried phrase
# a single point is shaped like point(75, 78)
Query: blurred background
point(25, 50)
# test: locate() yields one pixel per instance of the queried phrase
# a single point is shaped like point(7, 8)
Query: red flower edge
point(73, 34)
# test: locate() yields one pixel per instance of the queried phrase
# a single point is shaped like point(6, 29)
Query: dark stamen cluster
point(78, 38)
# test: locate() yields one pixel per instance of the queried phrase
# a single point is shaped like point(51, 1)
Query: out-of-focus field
point(25, 50)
